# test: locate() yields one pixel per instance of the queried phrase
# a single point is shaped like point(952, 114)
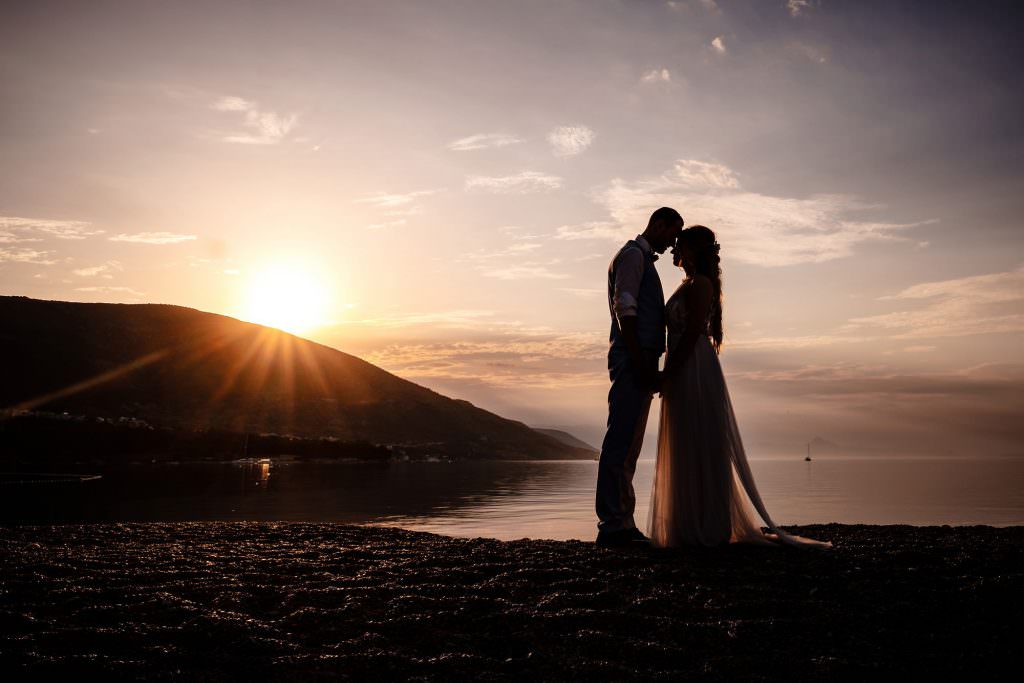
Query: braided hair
point(705, 247)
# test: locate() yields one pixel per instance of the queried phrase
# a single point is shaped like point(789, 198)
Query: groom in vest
point(637, 307)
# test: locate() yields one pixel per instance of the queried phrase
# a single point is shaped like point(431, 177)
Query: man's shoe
point(622, 538)
point(637, 536)
point(613, 539)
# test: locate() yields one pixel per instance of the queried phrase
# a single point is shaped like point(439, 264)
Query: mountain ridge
point(184, 368)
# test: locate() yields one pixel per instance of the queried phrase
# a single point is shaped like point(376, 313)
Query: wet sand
point(221, 601)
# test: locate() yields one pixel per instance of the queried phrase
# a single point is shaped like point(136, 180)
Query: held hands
point(659, 382)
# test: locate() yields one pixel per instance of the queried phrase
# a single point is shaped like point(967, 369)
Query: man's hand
point(644, 362)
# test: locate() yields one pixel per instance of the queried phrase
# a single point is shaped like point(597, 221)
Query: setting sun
point(286, 297)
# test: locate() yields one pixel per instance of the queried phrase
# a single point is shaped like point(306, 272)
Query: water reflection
point(516, 499)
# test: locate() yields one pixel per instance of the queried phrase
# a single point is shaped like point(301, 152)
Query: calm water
point(518, 499)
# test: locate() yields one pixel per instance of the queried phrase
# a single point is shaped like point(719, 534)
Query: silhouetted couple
point(703, 491)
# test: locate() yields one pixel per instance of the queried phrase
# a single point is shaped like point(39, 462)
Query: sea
point(515, 499)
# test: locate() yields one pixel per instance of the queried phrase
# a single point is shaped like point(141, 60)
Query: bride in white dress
point(704, 492)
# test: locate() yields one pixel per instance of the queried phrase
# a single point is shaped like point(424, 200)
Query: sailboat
point(808, 458)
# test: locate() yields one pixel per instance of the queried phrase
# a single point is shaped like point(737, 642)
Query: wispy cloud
point(807, 341)
point(152, 238)
point(593, 230)
point(483, 141)
point(388, 200)
point(387, 224)
point(711, 6)
point(11, 237)
point(104, 270)
point(567, 141)
point(981, 304)
point(22, 255)
point(584, 292)
point(814, 53)
point(880, 407)
point(396, 207)
point(531, 270)
point(797, 7)
point(718, 45)
point(455, 318)
point(657, 76)
point(502, 264)
point(520, 183)
point(511, 360)
point(753, 227)
point(14, 227)
point(490, 255)
point(268, 128)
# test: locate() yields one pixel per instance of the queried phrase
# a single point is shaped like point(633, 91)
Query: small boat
point(808, 458)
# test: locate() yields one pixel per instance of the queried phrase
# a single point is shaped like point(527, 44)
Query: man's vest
point(650, 309)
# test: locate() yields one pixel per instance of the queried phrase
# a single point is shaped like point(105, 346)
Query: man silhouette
point(637, 307)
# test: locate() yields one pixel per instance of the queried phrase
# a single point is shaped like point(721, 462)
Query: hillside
point(566, 438)
point(179, 367)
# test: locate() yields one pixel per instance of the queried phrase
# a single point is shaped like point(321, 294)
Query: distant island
point(190, 372)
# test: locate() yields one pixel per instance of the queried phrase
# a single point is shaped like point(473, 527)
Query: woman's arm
point(698, 294)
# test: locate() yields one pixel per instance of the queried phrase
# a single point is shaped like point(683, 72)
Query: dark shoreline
point(222, 600)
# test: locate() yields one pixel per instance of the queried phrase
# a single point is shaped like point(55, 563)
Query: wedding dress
point(704, 492)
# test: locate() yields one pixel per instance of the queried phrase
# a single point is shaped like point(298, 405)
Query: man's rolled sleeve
point(628, 273)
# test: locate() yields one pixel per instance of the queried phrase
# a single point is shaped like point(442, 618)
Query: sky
point(438, 187)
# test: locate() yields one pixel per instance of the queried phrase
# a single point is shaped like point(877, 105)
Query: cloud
point(525, 271)
point(395, 206)
point(268, 128)
point(232, 104)
point(718, 46)
point(702, 174)
point(483, 141)
point(487, 255)
point(389, 200)
point(754, 228)
point(10, 237)
point(567, 141)
point(152, 238)
point(919, 348)
point(21, 255)
point(456, 318)
point(500, 263)
point(521, 183)
point(710, 6)
point(809, 52)
point(797, 7)
point(980, 304)
point(584, 292)
point(891, 411)
point(102, 270)
point(509, 360)
point(657, 76)
point(797, 342)
point(593, 230)
point(387, 224)
point(64, 230)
